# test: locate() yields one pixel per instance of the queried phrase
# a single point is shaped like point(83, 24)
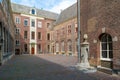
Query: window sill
point(106, 59)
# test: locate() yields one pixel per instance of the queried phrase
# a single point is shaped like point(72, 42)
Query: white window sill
point(106, 59)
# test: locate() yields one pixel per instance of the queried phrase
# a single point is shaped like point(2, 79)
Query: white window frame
point(31, 11)
point(108, 57)
point(39, 24)
point(40, 36)
point(17, 31)
point(32, 35)
point(32, 23)
point(24, 22)
point(17, 42)
point(17, 20)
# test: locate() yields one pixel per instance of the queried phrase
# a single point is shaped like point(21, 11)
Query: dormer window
point(33, 11)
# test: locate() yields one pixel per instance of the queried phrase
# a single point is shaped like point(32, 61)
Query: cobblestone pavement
point(46, 67)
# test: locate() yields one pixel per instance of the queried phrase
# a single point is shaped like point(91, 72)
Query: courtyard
point(47, 67)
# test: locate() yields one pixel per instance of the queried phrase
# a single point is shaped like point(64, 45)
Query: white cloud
point(50, 5)
point(62, 5)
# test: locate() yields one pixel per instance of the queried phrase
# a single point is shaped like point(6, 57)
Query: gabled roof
point(68, 13)
point(39, 12)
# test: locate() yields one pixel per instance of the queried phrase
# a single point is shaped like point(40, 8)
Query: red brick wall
point(43, 34)
point(95, 16)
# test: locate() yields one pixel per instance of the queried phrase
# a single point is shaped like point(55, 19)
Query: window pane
point(109, 39)
point(48, 36)
point(33, 23)
point(25, 47)
point(25, 22)
point(104, 54)
point(33, 35)
point(104, 39)
point(104, 46)
point(110, 54)
point(39, 35)
point(33, 11)
point(110, 46)
point(25, 34)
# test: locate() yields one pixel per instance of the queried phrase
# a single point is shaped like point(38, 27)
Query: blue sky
point(50, 5)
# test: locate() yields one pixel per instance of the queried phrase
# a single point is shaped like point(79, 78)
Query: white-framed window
point(17, 31)
point(17, 20)
point(48, 25)
point(33, 35)
point(33, 23)
point(17, 42)
point(106, 47)
point(33, 11)
point(25, 22)
point(69, 29)
point(39, 24)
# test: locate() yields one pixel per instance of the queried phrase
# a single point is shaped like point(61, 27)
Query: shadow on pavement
point(28, 67)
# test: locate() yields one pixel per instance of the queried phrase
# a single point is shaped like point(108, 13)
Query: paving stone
point(43, 67)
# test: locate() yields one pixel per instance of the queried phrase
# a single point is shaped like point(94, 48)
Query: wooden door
point(32, 50)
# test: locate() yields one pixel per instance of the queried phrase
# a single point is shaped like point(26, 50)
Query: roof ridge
point(33, 7)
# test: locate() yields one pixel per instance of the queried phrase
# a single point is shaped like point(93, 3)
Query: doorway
point(17, 51)
point(32, 50)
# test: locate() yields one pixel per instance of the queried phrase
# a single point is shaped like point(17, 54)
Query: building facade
point(100, 21)
point(32, 29)
point(6, 31)
point(38, 31)
point(65, 32)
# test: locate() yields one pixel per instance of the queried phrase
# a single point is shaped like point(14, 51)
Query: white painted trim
point(32, 16)
point(34, 30)
point(18, 18)
point(106, 59)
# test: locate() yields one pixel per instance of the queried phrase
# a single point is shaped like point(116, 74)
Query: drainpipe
point(78, 20)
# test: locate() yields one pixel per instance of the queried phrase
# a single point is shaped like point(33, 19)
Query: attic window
point(33, 11)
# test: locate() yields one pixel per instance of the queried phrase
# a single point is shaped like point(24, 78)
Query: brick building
point(100, 20)
point(32, 29)
point(65, 32)
point(6, 31)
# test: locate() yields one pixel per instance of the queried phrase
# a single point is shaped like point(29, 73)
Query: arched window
point(69, 45)
point(57, 47)
point(62, 46)
point(106, 47)
point(33, 11)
